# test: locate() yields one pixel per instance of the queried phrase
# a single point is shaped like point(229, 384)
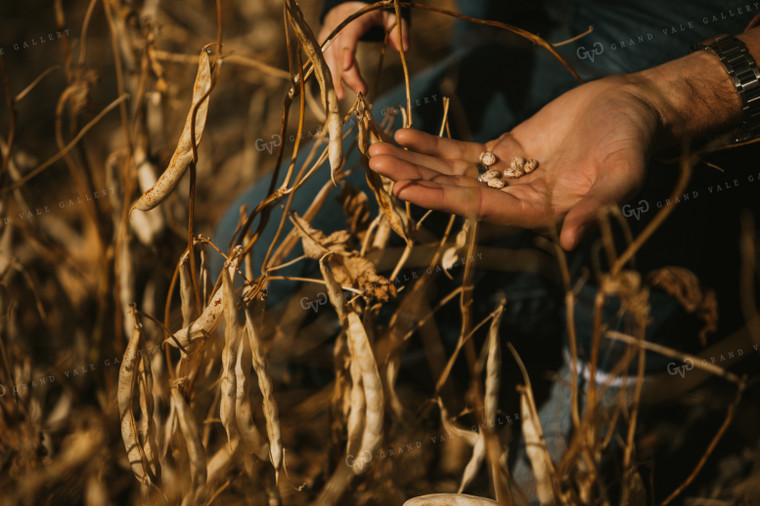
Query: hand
point(341, 55)
point(591, 143)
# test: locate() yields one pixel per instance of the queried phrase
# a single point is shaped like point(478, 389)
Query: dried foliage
point(118, 383)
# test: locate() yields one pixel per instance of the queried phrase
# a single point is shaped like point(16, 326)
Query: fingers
point(580, 220)
point(389, 22)
point(340, 57)
point(438, 146)
point(332, 59)
point(400, 169)
point(440, 196)
point(475, 201)
point(612, 187)
point(351, 75)
point(384, 153)
point(341, 54)
point(460, 193)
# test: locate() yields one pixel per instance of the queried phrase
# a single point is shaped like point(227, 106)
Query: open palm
point(591, 143)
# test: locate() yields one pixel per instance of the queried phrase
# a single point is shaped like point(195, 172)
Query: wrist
point(693, 96)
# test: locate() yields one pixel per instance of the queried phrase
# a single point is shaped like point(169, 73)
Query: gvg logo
point(362, 460)
point(261, 144)
point(681, 370)
point(589, 54)
point(636, 212)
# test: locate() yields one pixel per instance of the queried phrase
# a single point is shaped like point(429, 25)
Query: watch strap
point(743, 71)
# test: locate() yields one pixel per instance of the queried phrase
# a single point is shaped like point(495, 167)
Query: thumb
point(581, 219)
point(620, 181)
point(389, 22)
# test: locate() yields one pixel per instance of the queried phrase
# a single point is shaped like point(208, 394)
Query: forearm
point(694, 95)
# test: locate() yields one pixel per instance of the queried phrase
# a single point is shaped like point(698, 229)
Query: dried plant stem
point(535, 445)
point(628, 468)
point(748, 270)
point(465, 296)
point(460, 344)
point(429, 316)
point(573, 39)
point(408, 120)
point(85, 25)
point(63, 152)
point(333, 126)
point(599, 298)
point(698, 362)
point(686, 165)
point(445, 120)
point(29, 87)
point(289, 173)
point(10, 104)
point(519, 31)
point(708, 451)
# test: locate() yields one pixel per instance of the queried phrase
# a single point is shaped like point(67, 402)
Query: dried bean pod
point(124, 396)
point(186, 296)
point(183, 155)
point(148, 427)
point(361, 352)
point(190, 431)
point(249, 433)
point(493, 371)
point(530, 166)
point(334, 124)
point(271, 413)
point(334, 290)
point(472, 467)
point(356, 413)
point(535, 447)
point(209, 319)
point(227, 384)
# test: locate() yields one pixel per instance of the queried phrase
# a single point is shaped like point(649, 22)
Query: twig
point(50, 161)
point(698, 362)
point(718, 435)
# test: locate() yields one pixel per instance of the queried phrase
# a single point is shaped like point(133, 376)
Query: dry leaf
point(356, 207)
point(314, 242)
point(684, 286)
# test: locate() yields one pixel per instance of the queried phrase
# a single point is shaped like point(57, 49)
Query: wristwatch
point(744, 73)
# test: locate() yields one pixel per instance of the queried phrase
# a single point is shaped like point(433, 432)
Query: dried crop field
point(141, 362)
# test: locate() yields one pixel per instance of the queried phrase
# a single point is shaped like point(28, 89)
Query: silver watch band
point(744, 73)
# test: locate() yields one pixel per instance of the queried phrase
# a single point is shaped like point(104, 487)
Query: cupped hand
point(341, 54)
point(592, 145)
